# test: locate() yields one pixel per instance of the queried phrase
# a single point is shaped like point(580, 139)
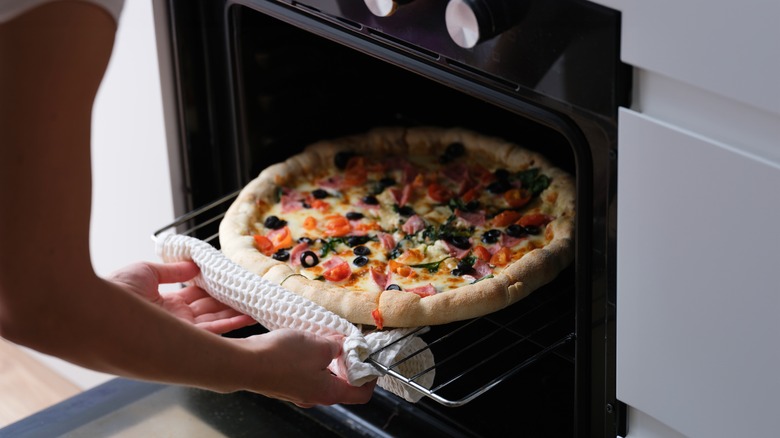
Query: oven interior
point(258, 81)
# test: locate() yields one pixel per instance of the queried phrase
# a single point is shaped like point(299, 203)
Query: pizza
point(406, 227)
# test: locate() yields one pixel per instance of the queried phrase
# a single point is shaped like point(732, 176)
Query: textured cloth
point(275, 307)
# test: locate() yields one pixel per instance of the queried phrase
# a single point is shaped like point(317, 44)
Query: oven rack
point(471, 357)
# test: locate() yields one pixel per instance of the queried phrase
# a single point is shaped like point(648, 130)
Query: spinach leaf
point(533, 181)
point(329, 245)
point(483, 278)
point(432, 267)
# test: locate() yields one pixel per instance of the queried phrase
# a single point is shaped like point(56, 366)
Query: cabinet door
point(698, 282)
point(730, 48)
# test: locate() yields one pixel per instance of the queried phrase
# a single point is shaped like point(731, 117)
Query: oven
point(249, 83)
point(666, 112)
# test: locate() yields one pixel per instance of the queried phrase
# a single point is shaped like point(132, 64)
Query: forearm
point(109, 330)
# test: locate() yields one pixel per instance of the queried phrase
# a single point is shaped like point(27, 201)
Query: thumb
point(175, 272)
point(336, 341)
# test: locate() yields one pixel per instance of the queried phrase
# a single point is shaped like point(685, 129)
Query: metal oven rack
point(471, 357)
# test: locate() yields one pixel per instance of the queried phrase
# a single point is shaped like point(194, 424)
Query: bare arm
point(52, 60)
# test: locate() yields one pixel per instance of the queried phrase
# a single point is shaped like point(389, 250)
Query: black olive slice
point(353, 241)
point(370, 200)
point(309, 259)
point(491, 236)
point(274, 222)
point(320, 193)
point(532, 229)
point(282, 255)
point(461, 242)
point(387, 182)
point(406, 211)
point(455, 149)
point(500, 186)
point(516, 230)
point(501, 174)
point(361, 250)
point(354, 216)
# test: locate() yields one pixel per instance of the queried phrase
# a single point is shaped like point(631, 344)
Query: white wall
point(131, 186)
point(131, 190)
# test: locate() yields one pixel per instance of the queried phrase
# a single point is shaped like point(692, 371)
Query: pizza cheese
point(406, 227)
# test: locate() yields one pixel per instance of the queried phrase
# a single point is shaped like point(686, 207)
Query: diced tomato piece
point(482, 253)
point(310, 223)
point(470, 195)
point(355, 173)
point(534, 220)
point(319, 204)
point(281, 238)
point(439, 193)
point(376, 167)
point(400, 269)
point(264, 244)
point(337, 226)
point(365, 227)
point(517, 197)
point(481, 174)
point(506, 217)
point(501, 257)
point(342, 271)
point(378, 319)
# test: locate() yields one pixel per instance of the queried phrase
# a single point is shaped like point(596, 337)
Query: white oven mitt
point(275, 307)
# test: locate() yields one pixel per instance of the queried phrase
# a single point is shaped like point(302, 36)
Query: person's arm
point(52, 60)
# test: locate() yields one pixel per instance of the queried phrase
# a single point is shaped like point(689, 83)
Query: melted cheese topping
point(401, 222)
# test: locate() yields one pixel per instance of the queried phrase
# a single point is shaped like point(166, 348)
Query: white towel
point(275, 307)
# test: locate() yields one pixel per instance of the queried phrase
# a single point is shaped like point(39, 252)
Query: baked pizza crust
point(400, 308)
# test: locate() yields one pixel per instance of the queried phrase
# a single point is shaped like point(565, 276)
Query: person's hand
point(294, 366)
point(191, 303)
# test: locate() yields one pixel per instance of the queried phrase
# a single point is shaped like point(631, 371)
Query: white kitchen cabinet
point(697, 288)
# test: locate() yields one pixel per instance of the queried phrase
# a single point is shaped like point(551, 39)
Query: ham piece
point(413, 225)
point(423, 291)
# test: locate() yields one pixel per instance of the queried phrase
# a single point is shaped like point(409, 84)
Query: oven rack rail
point(471, 357)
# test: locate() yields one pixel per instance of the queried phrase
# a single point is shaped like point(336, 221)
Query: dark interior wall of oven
point(297, 88)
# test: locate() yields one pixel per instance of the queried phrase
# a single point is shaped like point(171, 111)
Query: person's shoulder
point(10, 9)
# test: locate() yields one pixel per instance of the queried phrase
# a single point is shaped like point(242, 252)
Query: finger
point(216, 316)
point(227, 324)
point(188, 294)
point(174, 272)
point(335, 341)
point(348, 394)
point(208, 305)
